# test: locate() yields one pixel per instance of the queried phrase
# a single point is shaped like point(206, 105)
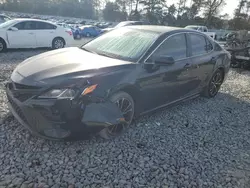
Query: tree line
point(181, 13)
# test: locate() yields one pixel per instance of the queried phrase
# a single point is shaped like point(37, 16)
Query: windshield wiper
point(87, 50)
point(105, 54)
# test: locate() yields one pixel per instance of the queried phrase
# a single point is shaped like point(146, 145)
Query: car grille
point(22, 92)
point(17, 109)
point(21, 86)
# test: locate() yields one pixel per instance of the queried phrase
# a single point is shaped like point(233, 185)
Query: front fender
point(102, 115)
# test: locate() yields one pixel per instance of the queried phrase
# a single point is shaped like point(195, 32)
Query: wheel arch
point(222, 69)
point(59, 37)
point(133, 92)
point(4, 41)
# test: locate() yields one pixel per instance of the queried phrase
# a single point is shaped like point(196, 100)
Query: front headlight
point(58, 93)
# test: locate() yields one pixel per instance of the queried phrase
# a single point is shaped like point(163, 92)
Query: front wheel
point(2, 46)
point(214, 84)
point(126, 104)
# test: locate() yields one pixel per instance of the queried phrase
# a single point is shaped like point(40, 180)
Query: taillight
point(69, 32)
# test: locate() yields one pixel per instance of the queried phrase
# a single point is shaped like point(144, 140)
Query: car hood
point(62, 64)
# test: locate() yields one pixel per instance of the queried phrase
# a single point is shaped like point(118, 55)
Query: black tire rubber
point(119, 95)
point(4, 46)
point(88, 34)
point(206, 92)
point(54, 40)
point(78, 36)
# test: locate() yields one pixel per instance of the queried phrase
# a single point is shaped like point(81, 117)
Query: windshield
point(123, 43)
point(7, 24)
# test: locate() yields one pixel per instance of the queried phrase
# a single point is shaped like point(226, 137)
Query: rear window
point(44, 26)
point(217, 47)
point(200, 44)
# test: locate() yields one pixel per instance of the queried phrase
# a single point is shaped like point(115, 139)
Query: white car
point(203, 29)
point(4, 18)
point(33, 33)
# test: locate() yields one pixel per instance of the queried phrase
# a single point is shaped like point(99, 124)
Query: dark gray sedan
point(102, 86)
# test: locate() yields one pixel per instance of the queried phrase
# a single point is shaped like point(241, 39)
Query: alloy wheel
point(59, 44)
point(215, 83)
point(1, 46)
point(127, 110)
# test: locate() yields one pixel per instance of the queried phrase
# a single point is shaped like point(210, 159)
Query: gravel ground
point(201, 143)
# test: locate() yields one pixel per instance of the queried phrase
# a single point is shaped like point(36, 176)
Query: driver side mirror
point(164, 60)
point(13, 29)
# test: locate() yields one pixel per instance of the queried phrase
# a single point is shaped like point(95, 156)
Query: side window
point(217, 47)
point(209, 46)
point(29, 25)
point(174, 47)
point(200, 45)
point(19, 26)
point(43, 25)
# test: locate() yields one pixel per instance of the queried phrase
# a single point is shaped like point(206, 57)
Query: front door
point(161, 85)
point(24, 37)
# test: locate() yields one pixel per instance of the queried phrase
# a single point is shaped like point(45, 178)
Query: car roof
point(31, 19)
point(195, 26)
point(158, 29)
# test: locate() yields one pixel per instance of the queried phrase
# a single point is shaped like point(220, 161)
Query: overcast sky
point(228, 8)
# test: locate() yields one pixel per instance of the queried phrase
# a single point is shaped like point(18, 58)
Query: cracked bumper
point(64, 119)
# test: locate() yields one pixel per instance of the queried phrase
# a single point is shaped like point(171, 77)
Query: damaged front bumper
point(63, 119)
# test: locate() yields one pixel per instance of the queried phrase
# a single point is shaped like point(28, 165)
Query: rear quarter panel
point(61, 32)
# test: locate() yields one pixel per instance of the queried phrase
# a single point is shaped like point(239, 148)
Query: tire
point(213, 87)
point(78, 36)
point(58, 43)
point(125, 102)
point(2, 46)
point(88, 34)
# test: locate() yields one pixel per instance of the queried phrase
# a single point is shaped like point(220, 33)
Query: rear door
point(45, 33)
point(24, 37)
point(202, 57)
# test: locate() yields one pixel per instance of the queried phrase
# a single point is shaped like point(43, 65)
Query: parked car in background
point(203, 29)
point(102, 25)
point(89, 31)
point(126, 23)
point(102, 86)
point(76, 32)
point(4, 18)
point(33, 33)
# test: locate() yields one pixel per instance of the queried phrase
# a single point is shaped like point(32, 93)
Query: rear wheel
point(58, 43)
point(2, 45)
point(88, 35)
point(214, 84)
point(126, 104)
point(78, 36)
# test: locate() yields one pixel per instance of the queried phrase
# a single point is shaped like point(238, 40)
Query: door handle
point(213, 60)
point(31, 33)
point(187, 65)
